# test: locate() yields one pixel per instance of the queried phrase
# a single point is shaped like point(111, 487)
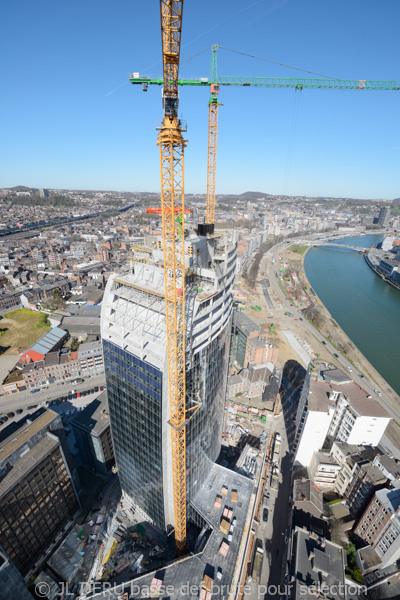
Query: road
point(270, 269)
point(274, 533)
point(53, 391)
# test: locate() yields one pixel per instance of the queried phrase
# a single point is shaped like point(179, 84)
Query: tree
point(42, 321)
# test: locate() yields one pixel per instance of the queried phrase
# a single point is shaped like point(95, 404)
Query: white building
point(317, 419)
point(358, 419)
point(339, 412)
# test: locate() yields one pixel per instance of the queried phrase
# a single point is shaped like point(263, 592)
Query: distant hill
point(22, 188)
point(253, 195)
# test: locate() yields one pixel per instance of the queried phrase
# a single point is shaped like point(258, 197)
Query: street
point(24, 399)
point(274, 532)
point(356, 376)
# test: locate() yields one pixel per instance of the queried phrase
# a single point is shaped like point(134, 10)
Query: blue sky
point(70, 119)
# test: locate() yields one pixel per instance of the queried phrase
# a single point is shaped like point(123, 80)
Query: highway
point(337, 358)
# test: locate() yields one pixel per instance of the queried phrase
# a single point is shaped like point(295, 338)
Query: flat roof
point(318, 397)
point(358, 398)
point(95, 417)
point(369, 558)
point(24, 432)
point(27, 462)
point(390, 498)
point(336, 375)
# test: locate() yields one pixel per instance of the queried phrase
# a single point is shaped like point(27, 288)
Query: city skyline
point(71, 119)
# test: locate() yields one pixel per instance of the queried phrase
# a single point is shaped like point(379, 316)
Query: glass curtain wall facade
point(206, 380)
point(134, 391)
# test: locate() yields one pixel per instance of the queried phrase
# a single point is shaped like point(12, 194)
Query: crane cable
point(277, 63)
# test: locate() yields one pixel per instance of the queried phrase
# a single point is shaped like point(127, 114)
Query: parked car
point(265, 515)
point(32, 406)
point(19, 411)
point(33, 391)
point(10, 415)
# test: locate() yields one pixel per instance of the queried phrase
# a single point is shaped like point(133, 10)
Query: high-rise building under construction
point(136, 366)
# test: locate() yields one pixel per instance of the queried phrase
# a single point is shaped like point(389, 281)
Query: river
point(366, 308)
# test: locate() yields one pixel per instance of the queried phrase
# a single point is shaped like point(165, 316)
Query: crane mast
point(213, 107)
point(172, 145)
point(212, 155)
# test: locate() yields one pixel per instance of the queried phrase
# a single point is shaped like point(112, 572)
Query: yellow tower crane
point(172, 145)
point(213, 106)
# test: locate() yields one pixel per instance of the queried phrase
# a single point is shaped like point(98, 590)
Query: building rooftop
point(389, 465)
point(360, 402)
point(306, 492)
point(336, 376)
point(325, 458)
point(319, 562)
point(66, 560)
point(94, 418)
point(48, 341)
point(318, 398)
point(244, 323)
point(20, 431)
point(369, 558)
point(390, 498)
point(257, 342)
point(190, 570)
point(27, 462)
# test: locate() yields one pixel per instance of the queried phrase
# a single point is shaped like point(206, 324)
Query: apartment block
point(38, 497)
point(343, 413)
point(379, 528)
point(358, 477)
point(357, 419)
point(323, 470)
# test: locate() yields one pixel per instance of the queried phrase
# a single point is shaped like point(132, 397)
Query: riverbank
point(379, 273)
point(352, 353)
point(338, 337)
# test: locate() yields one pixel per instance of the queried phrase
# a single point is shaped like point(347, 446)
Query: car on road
point(361, 375)
point(378, 392)
point(265, 515)
point(324, 343)
point(349, 368)
point(336, 355)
